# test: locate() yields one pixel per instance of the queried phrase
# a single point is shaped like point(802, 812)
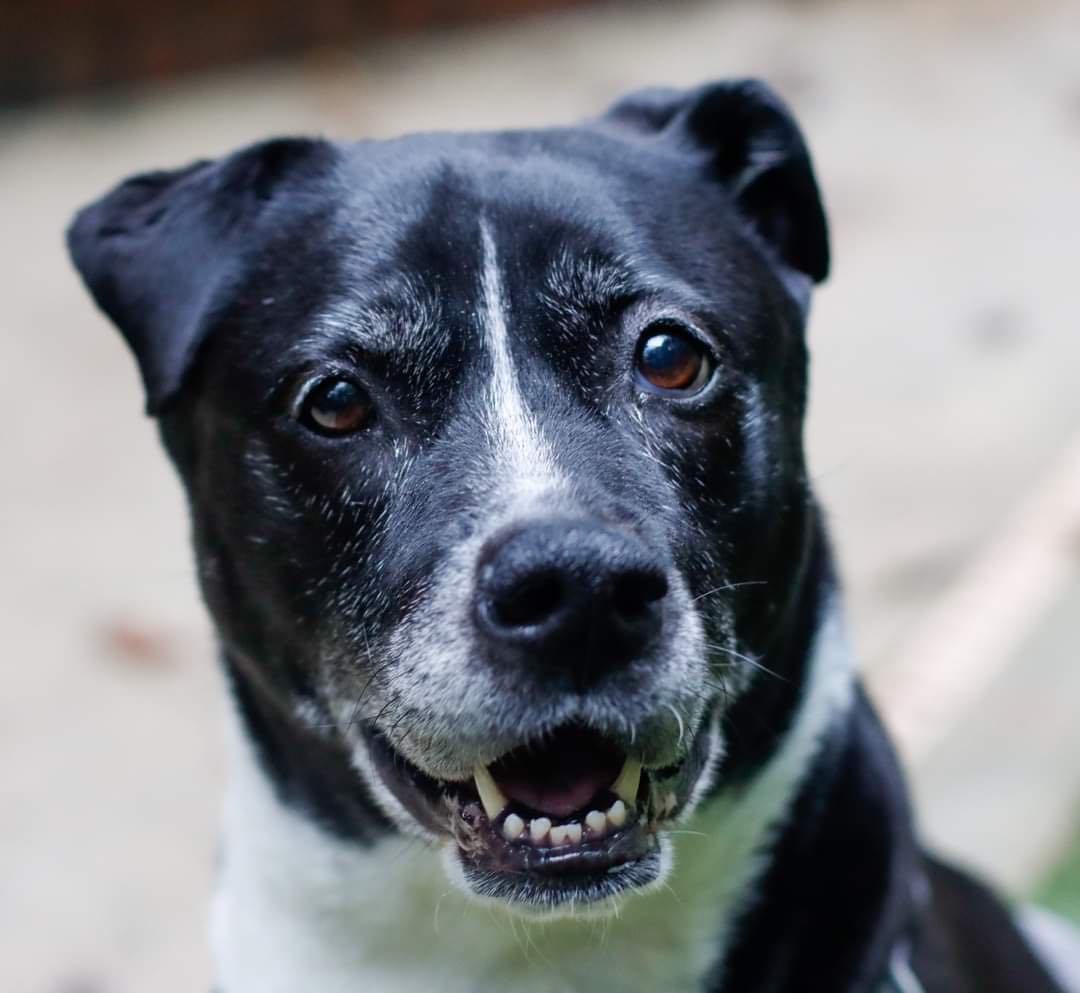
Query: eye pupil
point(336, 406)
point(672, 361)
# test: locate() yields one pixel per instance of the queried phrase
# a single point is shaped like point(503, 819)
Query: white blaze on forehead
point(520, 450)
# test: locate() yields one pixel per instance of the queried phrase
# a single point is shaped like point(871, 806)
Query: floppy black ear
point(160, 252)
point(752, 146)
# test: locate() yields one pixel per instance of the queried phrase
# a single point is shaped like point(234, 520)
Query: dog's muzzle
point(575, 812)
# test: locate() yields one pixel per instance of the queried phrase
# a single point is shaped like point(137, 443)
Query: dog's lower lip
point(542, 849)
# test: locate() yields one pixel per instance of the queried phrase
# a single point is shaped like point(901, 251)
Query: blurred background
point(944, 434)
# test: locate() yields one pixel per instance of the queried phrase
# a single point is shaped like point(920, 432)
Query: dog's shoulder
point(968, 941)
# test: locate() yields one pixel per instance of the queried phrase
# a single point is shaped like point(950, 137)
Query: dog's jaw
point(608, 840)
point(301, 909)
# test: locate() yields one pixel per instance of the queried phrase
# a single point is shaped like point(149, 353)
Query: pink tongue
point(560, 799)
point(561, 776)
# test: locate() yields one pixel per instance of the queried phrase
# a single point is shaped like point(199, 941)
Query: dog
point(492, 444)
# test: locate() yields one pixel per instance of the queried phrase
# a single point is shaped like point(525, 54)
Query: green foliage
point(1060, 890)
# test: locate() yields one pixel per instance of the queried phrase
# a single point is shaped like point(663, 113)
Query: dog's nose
point(582, 598)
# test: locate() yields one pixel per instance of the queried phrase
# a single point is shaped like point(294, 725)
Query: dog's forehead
point(416, 249)
point(439, 293)
point(549, 197)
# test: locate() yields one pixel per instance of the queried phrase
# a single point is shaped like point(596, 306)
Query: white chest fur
point(301, 912)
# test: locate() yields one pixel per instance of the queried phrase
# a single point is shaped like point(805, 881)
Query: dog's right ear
point(161, 251)
point(749, 141)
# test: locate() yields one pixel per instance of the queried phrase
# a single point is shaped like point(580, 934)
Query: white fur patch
point(740, 823)
point(1057, 943)
point(299, 910)
point(524, 459)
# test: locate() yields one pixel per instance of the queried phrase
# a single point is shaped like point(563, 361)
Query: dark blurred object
point(55, 46)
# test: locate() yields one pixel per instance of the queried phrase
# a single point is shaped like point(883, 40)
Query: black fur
point(236, 281)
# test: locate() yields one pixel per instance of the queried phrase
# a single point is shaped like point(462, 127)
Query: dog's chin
point(550, 896)
point(563, 823)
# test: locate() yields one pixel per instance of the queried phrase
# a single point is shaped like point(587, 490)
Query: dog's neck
point(302, 908)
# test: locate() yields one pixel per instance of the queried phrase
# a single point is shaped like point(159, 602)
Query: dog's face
point(493, 450)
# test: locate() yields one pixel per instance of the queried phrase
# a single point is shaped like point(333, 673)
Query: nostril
point(635, 592)
point(574, 598)
point(530, 601)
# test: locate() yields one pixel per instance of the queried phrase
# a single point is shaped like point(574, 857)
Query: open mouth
point(570, 817)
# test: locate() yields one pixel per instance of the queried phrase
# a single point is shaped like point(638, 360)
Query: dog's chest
point(336, 919)
point(300, 910)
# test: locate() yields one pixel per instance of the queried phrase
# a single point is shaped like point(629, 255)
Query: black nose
point(581, 598)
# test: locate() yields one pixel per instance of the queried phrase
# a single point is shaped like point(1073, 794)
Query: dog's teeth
point(626, 786)
point(572, 833)
point(513, 827)
point(596, 822)
point(616, 814)
point(539, 830)
point(560, 834)
point(490, 795)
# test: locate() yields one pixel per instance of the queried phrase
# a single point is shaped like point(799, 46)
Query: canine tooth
point(626, 786)
point(596, 822)
point(560, 834)
point(490, 795)
point(513, 826)
point(616, 814)
point(572, 833)
point(539, 829)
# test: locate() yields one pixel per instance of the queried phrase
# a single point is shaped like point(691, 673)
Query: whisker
point(671, 889)
point(438, 904)
point(748, 659)
point(728, 587)
point(679, 721)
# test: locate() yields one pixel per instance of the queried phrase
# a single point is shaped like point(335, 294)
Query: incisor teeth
point(539, 829)
point(616, 814)
point(513, 826)
point(626, 786)
point(572, 833)
point(560, 834)
point(596, 822)
point(490, 795)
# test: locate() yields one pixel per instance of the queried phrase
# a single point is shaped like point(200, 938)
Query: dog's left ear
point(161, 252)
point(753, 147)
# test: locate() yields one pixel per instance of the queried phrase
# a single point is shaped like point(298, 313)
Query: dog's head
point(493, 450)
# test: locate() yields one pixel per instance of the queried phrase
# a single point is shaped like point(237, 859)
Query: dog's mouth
point(571, 817)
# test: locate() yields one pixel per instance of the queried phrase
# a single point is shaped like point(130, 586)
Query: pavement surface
point(946, 364)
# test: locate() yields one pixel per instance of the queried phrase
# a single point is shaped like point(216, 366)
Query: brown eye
point(336, 406)
point(673, 361)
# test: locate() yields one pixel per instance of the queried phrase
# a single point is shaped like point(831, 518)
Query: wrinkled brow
point(401, 325)
point(578, 288)
point(403, 318)
point(406, 315)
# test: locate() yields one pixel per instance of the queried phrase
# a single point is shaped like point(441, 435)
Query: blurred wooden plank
point(56, 46)
point(973, 631)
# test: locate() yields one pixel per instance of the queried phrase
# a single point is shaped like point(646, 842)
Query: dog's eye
point(335, 406)
point(670, 360)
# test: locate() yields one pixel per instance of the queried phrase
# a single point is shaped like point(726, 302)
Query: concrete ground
point(946, 362)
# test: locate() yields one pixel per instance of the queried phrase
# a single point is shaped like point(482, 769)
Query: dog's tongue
point(561, 776)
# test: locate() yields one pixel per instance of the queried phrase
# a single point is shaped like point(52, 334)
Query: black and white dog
point(493, 447)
